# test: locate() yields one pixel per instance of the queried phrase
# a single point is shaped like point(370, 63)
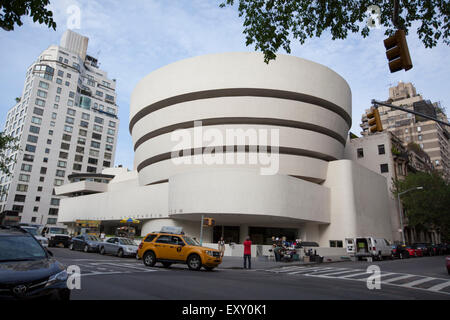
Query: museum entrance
point(230, 234)
point(262, 235)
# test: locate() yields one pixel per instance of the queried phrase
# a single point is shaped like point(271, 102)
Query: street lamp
point(401, 211)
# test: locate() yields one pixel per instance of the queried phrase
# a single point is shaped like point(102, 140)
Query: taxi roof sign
point(171, 229)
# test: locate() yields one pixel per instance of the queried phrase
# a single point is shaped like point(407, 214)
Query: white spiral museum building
point(205, 129)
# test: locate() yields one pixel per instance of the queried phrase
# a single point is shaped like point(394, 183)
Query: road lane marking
point(310, 270)
point(420, 281)
point(439, 286)
point(398, 278)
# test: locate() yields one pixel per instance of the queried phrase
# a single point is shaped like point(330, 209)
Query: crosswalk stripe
point(287, 269)
point(439, 286)
point(398, 278)
point(356, 274)
point(340, 272)
point(310, 270)
point(414, 283)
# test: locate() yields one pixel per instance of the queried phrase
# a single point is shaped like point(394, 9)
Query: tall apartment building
point(431, 136)
point(66, 122)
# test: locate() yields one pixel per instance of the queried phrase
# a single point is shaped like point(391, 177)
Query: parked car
point(418, 250)
point(119, 246)
point(34, 232)
point(411, 251)
point(169, 248)
point(85, 242)
point(447, 261)
point(372, 247)
point(399, 251)
point(28, 270)
point(426, 248)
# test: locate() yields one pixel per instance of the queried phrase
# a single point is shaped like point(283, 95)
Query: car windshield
point(33, 231)
point(58, 231)
point(20, 248)
point(127, 242)
point(92, 238)
point(191, 242)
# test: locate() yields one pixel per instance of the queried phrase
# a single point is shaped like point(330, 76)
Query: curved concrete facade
point(308, 105)
point(293, 115)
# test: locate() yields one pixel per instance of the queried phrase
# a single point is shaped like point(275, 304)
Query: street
point(109, 277)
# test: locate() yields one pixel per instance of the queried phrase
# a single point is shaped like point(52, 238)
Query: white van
point(368, 247)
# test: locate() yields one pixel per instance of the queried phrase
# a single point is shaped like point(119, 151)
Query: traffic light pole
point(201, 230)
point(377, 103)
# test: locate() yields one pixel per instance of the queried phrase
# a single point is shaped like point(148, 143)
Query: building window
point(420, 137)
point(54, 202)
point(77, 167)
point(80, 149)
point(22, 187)
point(39, 189)
point(78, 158)
point(360, 152)
point(27, 167)
point(93, 161)
point(60, 173)
point(81, 141)
point(381, 149)
point(96, 136)
point(43, 170)
point(52, 221)
point(19, 198)
point(28, 157)
point(419, 129)
point(384, 168)
point(24, 177)
point(63, 155)
point(83, 133)
point(71, 112)
point(95, 144)
point(336, 244)
point(66, 137)
point(62, 164)
point(106, 164)
point(32, 139)
point(38, 199)
point(35, 209)
point(30, 148)
point(17, 208)
point(58, 182)
point(65, 146)
point(91, 169)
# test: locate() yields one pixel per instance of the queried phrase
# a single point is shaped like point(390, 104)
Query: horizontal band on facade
point(241, 120)
point(241, 92)
point(224, 149)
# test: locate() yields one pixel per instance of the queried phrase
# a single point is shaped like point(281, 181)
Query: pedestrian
point(221, 245)
point(247, 252)
point(277, 252)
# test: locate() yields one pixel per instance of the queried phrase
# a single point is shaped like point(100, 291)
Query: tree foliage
point(270, 24)
point(428, 208)
point(7, 143)
point(11, 12)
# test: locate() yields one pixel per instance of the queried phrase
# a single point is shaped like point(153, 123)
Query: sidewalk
point(258, 263)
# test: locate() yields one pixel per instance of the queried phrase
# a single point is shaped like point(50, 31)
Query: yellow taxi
point(169, 248)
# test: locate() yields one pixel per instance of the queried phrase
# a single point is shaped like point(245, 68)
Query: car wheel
point(71, 246)
point(194, 262)
point(149, 259)
point(102, 250)
point(166, 264)
point(120, 253)
point(208, 268)
point(86, 248)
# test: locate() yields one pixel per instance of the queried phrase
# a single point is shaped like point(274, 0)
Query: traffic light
point(375, 124)
point(208, 222)
point(397, 52)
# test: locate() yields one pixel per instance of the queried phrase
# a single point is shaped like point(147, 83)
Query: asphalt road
point(109, 277)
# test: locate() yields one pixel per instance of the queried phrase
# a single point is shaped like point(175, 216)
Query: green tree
point(11, 144)
point(270, 24)
point(11, 12)
point(428, 208)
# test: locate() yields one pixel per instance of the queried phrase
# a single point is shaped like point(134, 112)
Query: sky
point(135, 37)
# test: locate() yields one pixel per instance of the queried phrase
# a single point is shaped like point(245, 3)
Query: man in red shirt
point(247, 252)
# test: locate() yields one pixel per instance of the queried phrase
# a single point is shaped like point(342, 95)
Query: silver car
point(119, 246)
point(34, 232)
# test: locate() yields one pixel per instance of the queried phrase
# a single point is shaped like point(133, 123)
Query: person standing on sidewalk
point(221, 246)
point(247, 252)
